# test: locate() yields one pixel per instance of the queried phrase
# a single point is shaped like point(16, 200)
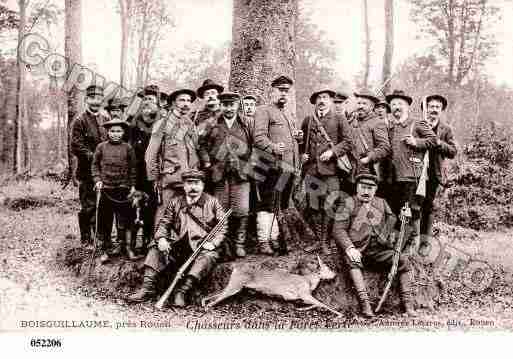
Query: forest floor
point(37, 217)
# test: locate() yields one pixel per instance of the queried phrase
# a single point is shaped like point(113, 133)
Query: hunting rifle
point(162, 301)
point(421, 187)
point(403, 217)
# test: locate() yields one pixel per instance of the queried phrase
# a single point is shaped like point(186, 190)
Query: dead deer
point(282, 284)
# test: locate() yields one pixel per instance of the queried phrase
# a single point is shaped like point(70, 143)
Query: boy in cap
point(226, 149)
point(114, 176)
point(187, 219)
point(86, 133)
point(362, 231)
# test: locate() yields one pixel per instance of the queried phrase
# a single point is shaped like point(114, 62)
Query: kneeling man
point(362, 230)
point(186, 220)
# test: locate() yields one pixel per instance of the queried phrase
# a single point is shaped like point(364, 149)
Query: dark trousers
point(403, 192)
point(277, 186)
point(428, 208)
point(86, 215)
point(378, 258)
point(150, 210)
point(113, 201)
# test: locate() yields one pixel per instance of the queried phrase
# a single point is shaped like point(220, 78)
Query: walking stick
point(95, 240)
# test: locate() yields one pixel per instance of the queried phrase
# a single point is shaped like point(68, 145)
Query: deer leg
point(304, 309)
point(316, 303)
point(235, 284)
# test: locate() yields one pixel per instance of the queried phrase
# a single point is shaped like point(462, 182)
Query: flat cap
point(115, 103)
point(367, 178)
point(282, 81)
point(94, 90)
point(193, 174)
point(229, 97)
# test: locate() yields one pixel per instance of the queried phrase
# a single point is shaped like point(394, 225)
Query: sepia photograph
point(320, 167)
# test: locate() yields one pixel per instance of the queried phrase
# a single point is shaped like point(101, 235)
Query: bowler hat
point(207, 85)
point(149, 90)
point(367, 178)
point(94, 90)
point(437, 97)
point(365, 93)
point(173, 95)
point(399, 94)
point(229, 97)
point(115, 122)
point(281, 81)
point(193, 174)
point(313, 97)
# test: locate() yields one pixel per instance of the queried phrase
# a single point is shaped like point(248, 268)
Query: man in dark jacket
point(410, 139)
point(445, 148)
point(209, 91)
point(276, 140)
point(226, 149)
point(320, 159)
point(86, 133)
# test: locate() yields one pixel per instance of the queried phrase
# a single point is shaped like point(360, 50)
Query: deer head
point(324, 271)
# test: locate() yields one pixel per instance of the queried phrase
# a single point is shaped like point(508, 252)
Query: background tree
point(263, 45)
point(367, 47)
point(389, 45)
point(125, 15)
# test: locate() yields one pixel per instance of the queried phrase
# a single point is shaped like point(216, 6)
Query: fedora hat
point(207, 85)
point(399, 94)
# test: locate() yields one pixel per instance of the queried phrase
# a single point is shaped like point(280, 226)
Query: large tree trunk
point(263, 45)
point(367, 43)
point(19, 164)
point(125, 6)
point(389, 45)
point(73, 52)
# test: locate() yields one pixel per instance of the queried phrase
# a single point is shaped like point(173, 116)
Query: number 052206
point(45, 343)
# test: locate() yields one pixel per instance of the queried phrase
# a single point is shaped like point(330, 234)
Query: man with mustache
point(209, 91)
point(87, 132)
point(226, 146)
point(363, 231)
point(445, 148)
point(249, 107)
point(339, 100)
point(115, 107)
point(187, 219)
point(410, 139)
point(139, 135)
point(173, 148)
point(370, 136)
point(276, 137)
point(320, 160)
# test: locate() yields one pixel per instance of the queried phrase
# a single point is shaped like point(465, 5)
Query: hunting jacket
point(314, 144)
point(228, 150)
point(444, 149)
point(139, 135)
point(87, 132)
point(176, 224)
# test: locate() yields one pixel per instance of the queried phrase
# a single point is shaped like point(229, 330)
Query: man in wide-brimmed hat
point(444, 149)
point(370, 136)
point(382, 110)
point(173, 148)
point(177, 236)
point(116, 108)
point(209, 92)
point(319, 159)
point(226, 147)
point(410, 139)
point(86, 133)
point(362, 232)
point(277, 136)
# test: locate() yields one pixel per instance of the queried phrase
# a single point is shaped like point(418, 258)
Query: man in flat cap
point(276, 137)
point(338, 101)
point(87, 132)
point(319, 157)
point(362, 231)
point(410, 139)
point(444, 149)
point(173, 148)
point(188, 218)
point(226, 149)
point(370, 136)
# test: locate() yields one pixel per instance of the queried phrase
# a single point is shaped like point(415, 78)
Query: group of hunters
point(194, 165)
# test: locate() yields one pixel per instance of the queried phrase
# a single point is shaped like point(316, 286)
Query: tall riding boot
point(179, 299)
point(85, 229)
point(241, 233)
point(147, 290)
point(263, 230)
point(274, 230)
point(361, 290)
point(405, 290)
point(325, 247)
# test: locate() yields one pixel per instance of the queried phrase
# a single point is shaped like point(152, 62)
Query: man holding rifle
point(188, 218)
point(363, 232)
point(326, 136)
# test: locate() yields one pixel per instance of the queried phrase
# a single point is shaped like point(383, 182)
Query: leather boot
point(179, 299)
point(361, 290)
point(147, 290)
point(263, 230)
point(405, 291)
point(241, 233)
point(85, 229)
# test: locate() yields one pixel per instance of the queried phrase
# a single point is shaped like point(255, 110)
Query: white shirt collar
point(229, 122)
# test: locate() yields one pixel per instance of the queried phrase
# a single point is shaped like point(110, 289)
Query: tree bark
point(73, 52)
point(367, 43)
point(263, 45)
point(125, 7)
point(19, 163)
point(389, 45)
